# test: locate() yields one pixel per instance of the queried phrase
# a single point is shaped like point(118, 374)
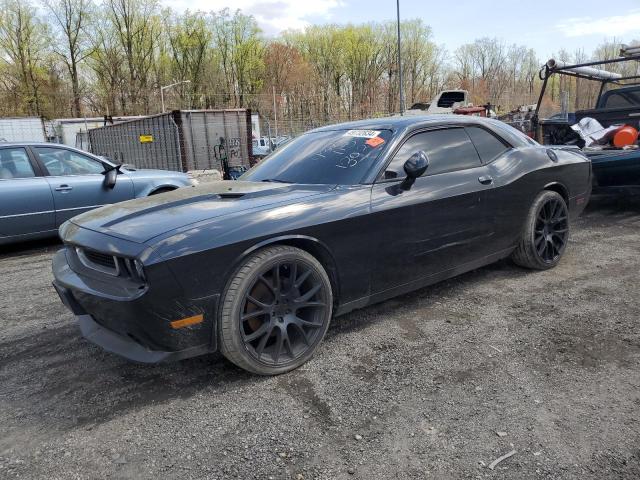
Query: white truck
point(444, 102)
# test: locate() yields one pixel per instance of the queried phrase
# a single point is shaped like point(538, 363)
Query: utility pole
point(162, 89)
point(399, 62)
point(275, 112)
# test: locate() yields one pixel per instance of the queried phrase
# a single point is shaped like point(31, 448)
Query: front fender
point(284, 239)
point(146, 190)
point(333, 227)
point(144, 184)
point(310, 244)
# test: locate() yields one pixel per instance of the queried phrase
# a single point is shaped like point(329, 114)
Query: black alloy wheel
point(275, 311)
point(545, 234)
point(552, 230)
point(283, 312)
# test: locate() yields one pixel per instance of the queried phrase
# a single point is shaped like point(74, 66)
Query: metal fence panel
point(151, 142)
point(180, 140)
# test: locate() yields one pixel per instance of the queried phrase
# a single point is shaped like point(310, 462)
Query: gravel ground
point(435, 384)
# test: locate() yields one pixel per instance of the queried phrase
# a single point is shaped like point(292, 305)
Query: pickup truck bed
point(618, 103)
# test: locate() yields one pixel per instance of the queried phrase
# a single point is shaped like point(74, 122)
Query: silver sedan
point(42, 185)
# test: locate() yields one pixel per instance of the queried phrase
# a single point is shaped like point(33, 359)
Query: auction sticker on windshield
point(362, 133)
point(374, 142)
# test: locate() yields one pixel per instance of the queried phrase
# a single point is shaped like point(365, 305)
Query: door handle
point(63, 188)
point(485, 179)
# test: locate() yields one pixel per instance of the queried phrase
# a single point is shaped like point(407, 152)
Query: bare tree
point(71, 19)
point(137, 27)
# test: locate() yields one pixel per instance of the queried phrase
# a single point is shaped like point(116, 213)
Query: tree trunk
point(75, 88)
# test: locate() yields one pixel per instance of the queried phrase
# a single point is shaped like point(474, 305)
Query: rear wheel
point(275, 311)
point(545, 234)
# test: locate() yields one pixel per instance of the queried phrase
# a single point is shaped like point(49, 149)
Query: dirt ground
point(435, 384)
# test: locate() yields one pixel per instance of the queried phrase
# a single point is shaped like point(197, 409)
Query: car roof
point(54, 145)
point(634, 87)
point(35, 144)
point(402, 122)
point(413, 122)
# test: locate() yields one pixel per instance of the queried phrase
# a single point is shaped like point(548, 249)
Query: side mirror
point(110, 177)
point(414, 168)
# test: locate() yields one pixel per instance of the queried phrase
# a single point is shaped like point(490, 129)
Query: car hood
point(142, 219)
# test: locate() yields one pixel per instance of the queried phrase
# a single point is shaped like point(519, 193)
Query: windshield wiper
point(275, 180)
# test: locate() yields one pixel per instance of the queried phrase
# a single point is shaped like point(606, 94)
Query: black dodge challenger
point(341, 217)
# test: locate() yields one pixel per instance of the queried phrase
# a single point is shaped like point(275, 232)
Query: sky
point(545, 25)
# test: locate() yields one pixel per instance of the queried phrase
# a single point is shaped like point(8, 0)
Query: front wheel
point(275, 311)
point(545, 233)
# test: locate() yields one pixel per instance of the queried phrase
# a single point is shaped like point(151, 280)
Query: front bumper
point(135, 324)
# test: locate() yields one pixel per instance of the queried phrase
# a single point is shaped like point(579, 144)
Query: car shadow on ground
point(613, 204)
point(78, 384)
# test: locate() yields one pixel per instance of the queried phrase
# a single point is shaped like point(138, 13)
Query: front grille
point(103, 259)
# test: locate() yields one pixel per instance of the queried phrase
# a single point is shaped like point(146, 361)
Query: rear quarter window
point(512, 136)
point(488, 145)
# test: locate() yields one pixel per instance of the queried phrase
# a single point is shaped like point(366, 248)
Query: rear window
point(622, 99)
point(447, 99)
point(487, 144)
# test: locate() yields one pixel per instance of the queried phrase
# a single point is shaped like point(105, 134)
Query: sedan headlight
point(194, 181)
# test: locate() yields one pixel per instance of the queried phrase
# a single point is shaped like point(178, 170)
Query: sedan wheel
point(276, 311)
point(546, 233)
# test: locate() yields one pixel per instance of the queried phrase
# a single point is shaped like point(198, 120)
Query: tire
point(275, 311)
point(545, 234)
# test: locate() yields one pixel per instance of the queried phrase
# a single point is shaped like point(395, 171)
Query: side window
point(60, 161)
point(488, 145)
point(448, 150)
point(14, 163)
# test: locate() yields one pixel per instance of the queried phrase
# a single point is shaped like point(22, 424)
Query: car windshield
point(332, 157)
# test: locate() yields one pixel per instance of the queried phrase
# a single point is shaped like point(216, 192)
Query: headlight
point(139, 269)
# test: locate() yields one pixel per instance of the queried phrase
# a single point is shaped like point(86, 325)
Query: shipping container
point(23, 129)
point(181, 140)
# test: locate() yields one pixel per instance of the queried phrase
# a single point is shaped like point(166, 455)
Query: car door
point(441, 222)
point(77, 182)
point(26, 202)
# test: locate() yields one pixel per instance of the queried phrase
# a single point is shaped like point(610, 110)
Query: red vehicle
point(473, 111)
